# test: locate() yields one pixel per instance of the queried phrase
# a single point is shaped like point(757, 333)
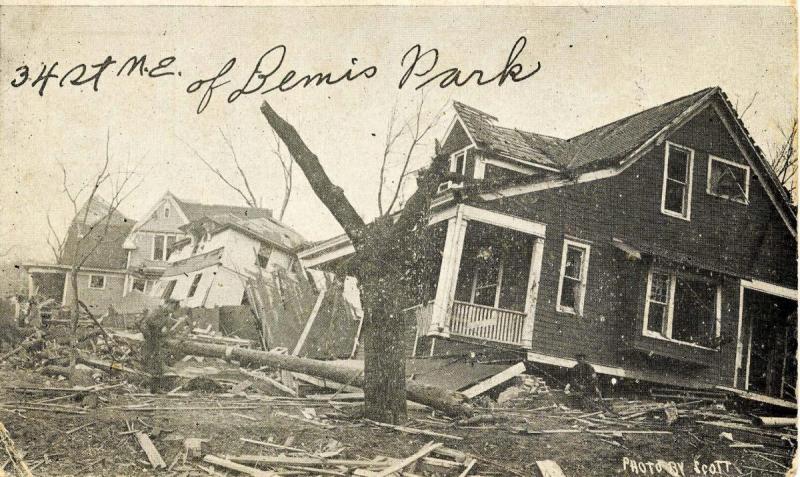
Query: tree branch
point(253, 202)
point(331, 195)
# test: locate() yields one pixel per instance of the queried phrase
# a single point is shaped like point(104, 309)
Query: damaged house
point(660, 245)
point(151, 241)
point(212, 264)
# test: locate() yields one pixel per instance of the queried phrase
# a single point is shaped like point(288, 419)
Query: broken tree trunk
point(449, 402)
point(382, 248)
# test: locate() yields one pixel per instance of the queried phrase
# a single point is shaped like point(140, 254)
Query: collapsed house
point(219, 254)
point(150, 243)
point(240, 268)
point(662, 246)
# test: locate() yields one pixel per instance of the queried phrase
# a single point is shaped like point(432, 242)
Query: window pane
point(195, 282)
point(677, 164)
point(727, 180)
point(659, 287)
point(168, 290)
point(694, 315)
point(170, 243)
point(569, 292)
point(138, 284)
point(97, 281)
point(572, 267)
point(656, 317)
point(158, 247)
point(674, 196)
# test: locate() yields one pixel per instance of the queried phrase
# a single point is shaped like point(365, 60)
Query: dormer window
point(676, 191)
point(728, 179)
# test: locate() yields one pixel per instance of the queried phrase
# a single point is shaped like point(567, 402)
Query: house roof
point(194, 210)
point(264, 229)
point(597, 146)
point(512, 143)
point(95, 242)
point(616, 141)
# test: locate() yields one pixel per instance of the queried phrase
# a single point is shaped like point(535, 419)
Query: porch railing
point(485, 322)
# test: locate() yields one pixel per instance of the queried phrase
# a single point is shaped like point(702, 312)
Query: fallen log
point(449, 402)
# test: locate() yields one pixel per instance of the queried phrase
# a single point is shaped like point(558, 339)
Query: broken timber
point(152, 453)
point(449, 402)
point(495, 380)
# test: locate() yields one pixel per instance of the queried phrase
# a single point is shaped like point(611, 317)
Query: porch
point(488, 280)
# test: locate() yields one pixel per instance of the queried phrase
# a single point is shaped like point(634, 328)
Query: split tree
point(387, 261)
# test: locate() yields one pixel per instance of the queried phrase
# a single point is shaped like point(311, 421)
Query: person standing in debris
point(582, 383)
point(154, 330)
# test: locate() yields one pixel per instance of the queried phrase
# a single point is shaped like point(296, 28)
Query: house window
point(728, 179)
point(487, 279)
point(195, 282)
point(166, 211)
point(676, 194)
point(682, 308)
point(97, 281)
point(162, 245)
point(458, 162)
point(168, 290)
point(139, 284)
point(572, 286)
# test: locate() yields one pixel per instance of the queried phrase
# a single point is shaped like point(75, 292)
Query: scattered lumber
point(766, 421)
point(152, 453)
point(426, 449)
point(449, 402)
point(13, 454)
point(549, 468)
point(495, 380)
point(411, 430)
point(227, 464)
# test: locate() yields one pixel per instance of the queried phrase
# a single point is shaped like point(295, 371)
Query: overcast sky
point(597, 65)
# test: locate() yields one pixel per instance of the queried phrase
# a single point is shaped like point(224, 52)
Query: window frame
point(587, 248)
point(133, 284)
point(687, 214)
point(454, 161)
point(93, 275)
point(673, 278)
point(711, 159)
point(165, 254)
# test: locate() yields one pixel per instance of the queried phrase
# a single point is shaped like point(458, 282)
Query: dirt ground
point(56, 444)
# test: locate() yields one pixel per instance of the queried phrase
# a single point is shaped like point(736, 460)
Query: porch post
point(533, 292)
point(448, 274)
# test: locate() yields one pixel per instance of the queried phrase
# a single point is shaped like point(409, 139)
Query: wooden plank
point(426, 449)
point(549, 468)
point(759, 397)
point(411, 430)
point(495, 380)
point(468, 468)
point(225, 463)
point(309, 323)
point(272, 382)
point(152, 453)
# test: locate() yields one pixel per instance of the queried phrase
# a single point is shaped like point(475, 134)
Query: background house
point(149, 244)
point(220, 253)
point(94, 241)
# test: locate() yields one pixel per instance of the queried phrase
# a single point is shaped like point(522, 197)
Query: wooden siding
point(748, 239)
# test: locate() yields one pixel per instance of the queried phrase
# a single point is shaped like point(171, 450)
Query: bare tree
point(783, 159)
point(386, 250)
point(245, 190)
point(92, 225)
point(414, 130)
